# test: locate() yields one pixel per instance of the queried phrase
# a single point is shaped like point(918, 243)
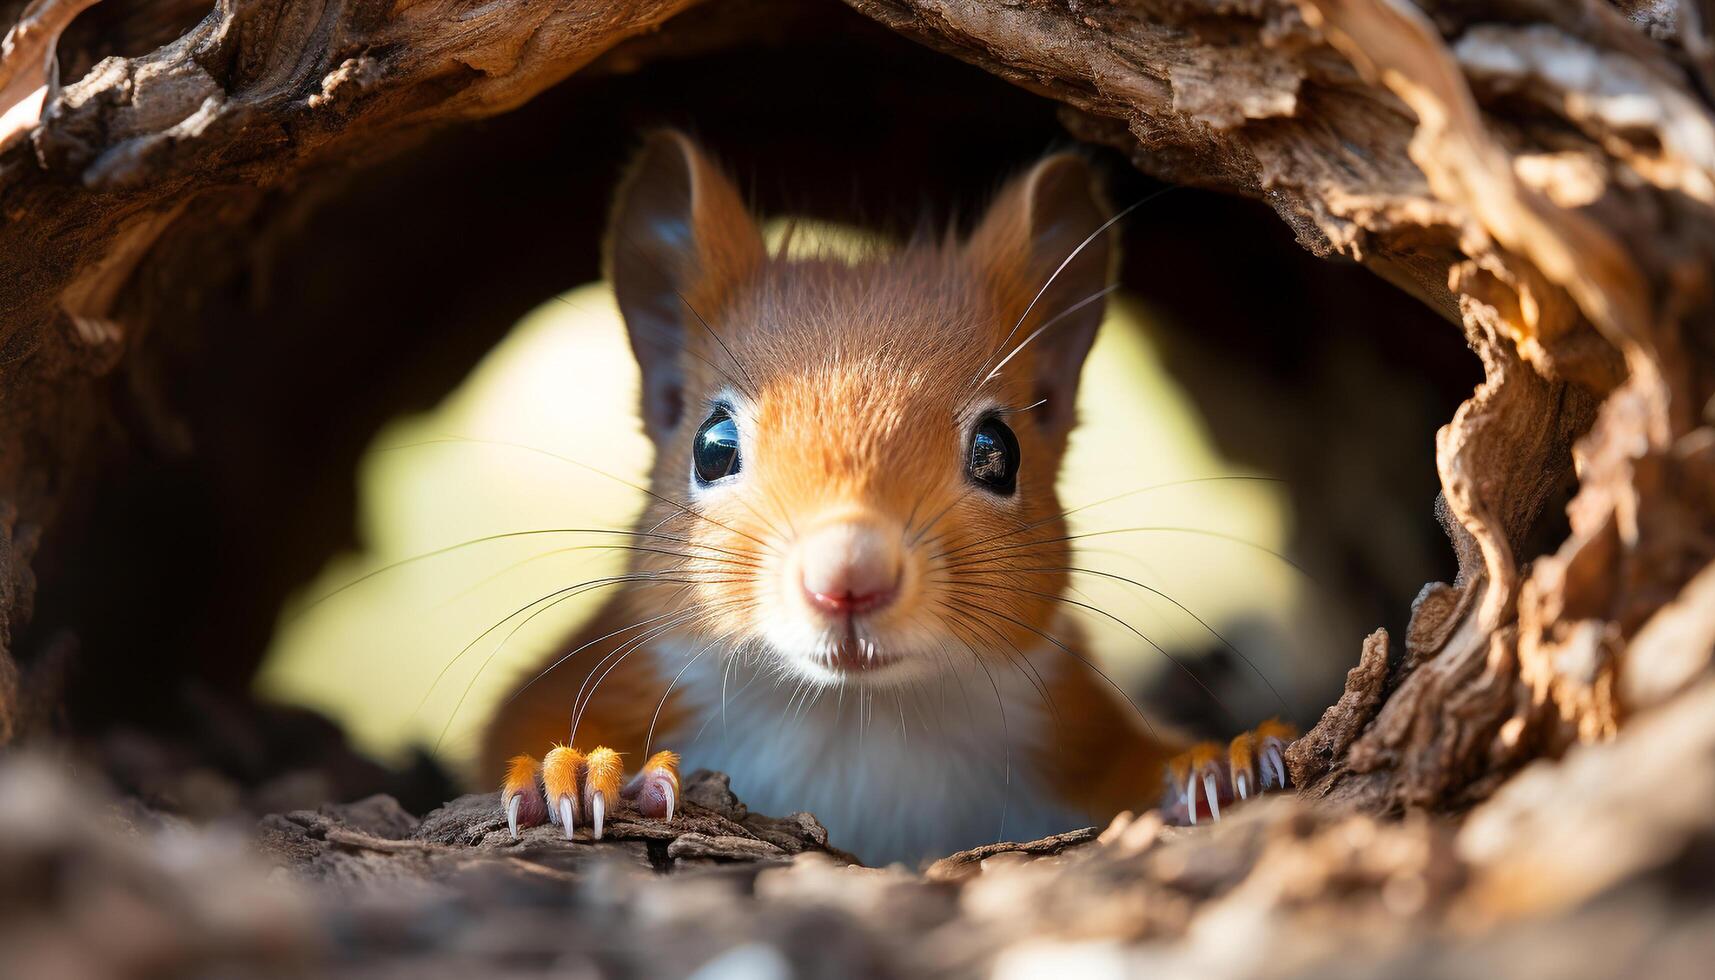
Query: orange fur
point(855, 385)
point(1097, 757)
point(541, 714)
point(561, 770)
point(667, 763)
point(1241, 753)
point(520, 775)
point(603, 771)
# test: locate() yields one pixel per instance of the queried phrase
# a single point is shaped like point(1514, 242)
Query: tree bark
point(253, 97)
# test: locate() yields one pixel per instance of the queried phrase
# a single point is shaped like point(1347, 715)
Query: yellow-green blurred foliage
point(495, 457)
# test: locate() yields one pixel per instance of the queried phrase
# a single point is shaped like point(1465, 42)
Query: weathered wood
point(253, 96)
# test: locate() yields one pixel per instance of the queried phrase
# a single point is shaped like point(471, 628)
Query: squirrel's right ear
point(679, 238)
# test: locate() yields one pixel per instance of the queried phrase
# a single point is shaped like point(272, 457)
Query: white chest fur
point(895, 775)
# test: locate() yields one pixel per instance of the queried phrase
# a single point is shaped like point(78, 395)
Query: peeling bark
point(27, 64)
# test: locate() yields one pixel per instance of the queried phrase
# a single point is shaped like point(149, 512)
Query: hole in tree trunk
point(371, 293)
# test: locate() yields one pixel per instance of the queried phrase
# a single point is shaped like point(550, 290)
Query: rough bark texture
point(98, 887)
point(184, 139)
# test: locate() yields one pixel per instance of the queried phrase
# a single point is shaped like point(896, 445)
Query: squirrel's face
point(856, 460)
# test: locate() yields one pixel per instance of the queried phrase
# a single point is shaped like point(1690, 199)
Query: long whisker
point(751, 391)
point(624, 650)
point(1136, 632)
point(1108, 500)
point(544, 672)
point(953, 618)
point(1056, 318)
point(1032, 676)
point(539, 556)
point(958, 499)
point(577, 589)
point(974, 597)
point(1006, 739)
point(1157, 592)
point(1066, 262)
point(726, 671)
point(652, 578)
point(649, 739)
point(581, 701)
point(502, 536)
point(759, 515)
point(676, 616)
point(674, 338)
point(773, 499)
point(1024, 547)
point(676, 505)
point(483, 667)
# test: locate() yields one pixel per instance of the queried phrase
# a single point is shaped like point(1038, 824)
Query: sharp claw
point(602, 772)
point(1191, 797)
point(521, 796)
point(1214, 798)
point(655, 788)
point(1272, 758)
point(1242, 785)
point(566, 817)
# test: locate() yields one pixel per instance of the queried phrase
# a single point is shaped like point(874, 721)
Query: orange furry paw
point(568, 787)
point(562, 770)
point(521, 794)
point(654, 791)
point(1207, 776)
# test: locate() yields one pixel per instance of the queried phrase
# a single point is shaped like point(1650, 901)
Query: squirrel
point(846, 591)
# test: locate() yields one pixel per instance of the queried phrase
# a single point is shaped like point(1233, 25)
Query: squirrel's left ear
point(680, 235)
point(1044, 235)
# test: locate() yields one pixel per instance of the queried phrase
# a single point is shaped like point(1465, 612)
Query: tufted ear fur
point(679, 238)
point(1038, 222)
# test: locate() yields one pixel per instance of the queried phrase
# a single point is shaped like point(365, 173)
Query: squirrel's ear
point(1044, 235)
point(679, 235)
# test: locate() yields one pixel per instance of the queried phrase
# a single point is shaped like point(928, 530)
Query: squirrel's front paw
point(654, 791)
point(568, 787)
point(1206, 777)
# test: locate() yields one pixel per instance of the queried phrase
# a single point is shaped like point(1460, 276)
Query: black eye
point(714, 451)
point(994, 456)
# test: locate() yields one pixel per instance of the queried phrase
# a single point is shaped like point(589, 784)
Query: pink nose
point(850, 567)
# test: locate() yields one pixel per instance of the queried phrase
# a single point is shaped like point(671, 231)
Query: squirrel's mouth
point(850, 653)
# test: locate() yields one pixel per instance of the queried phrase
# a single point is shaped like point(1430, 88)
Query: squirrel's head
point(856, 459)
